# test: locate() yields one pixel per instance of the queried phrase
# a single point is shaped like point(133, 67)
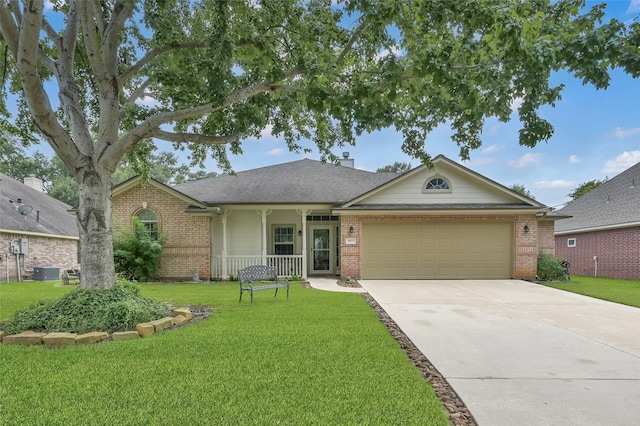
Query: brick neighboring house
point(309, 218)
point(602, 237)
point(45, 236)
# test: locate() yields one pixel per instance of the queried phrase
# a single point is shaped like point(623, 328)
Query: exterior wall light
point(351, 229)
point(526, 228)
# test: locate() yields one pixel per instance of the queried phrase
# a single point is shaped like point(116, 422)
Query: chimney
point(345, 161)
point(33, 182)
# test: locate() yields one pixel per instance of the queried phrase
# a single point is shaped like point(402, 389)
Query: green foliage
point(119, 308)
point(522, 190)
point(397, 167)
point(136, 253)
point(550, 268)
point(585, 187)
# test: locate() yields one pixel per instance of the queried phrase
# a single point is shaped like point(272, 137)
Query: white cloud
point(573, 159)
point(552, 184)
point(634, 6)
point(276, 152)
point(621, 163)
point(492, 149)
point(625, 133)
point(393, 51)
point(493, 130)
point(529, 159)
point(516, 103)
point(148, 101)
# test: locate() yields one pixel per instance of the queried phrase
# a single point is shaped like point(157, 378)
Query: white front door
point(321, 249)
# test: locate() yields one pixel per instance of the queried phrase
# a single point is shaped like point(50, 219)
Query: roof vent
point(345, 161)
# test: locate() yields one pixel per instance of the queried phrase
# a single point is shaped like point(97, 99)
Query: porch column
point(264, 237)
point(303, 213)
point(225, 269)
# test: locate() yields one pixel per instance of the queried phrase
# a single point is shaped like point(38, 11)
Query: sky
point(597, 136)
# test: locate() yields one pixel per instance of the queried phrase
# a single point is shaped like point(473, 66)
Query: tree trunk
point(94, 225)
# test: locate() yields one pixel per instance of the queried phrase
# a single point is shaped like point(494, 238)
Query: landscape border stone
point(180, 316)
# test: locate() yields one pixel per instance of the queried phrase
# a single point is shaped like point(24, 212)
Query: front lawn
point(319, 358)
point(626, 292)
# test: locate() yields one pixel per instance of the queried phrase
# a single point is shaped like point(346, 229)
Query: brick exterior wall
point(618, 252)
point(188, 243)
point(527, 244)
point(43, 251)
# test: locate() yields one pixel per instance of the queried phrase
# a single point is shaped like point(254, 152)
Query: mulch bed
point(457, 411)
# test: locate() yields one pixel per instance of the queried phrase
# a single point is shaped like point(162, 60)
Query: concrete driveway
point(519, 353)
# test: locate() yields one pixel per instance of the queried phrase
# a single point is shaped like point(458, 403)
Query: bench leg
point(252, 297)
point(276, 292)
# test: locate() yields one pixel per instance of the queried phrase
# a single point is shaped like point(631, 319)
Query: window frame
point(276, 243)
point(152, 225)
point(446, 181)
point(571, 242)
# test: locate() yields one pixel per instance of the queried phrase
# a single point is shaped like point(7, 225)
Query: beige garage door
point(437, 250)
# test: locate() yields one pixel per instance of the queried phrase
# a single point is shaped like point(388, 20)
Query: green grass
point(320, 358)
point(626, 292)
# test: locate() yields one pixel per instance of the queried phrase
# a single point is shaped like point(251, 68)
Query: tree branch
point(92, 45)
point(152, 124)
point(152, 55)
point(112, 33)
point(194, 137)
point(354, 36)
point(10, 31)
point(26, 57)
point(100, 21)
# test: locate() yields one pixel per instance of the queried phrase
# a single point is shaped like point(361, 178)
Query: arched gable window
point(150, 221)
point(437, 184)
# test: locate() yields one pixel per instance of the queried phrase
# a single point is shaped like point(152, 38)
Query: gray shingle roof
point(614, 203)
point(302, 181)
point(54, 218)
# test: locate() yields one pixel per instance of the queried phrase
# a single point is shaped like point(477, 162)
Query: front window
point(571, 242)
point(283, 240)
point(150, 221)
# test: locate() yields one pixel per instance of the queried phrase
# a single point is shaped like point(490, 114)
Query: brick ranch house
point(308, 218)
point(36, 231)
point(602, 236)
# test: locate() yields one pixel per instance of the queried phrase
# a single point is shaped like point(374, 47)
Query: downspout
point(595, 261)
point(18, 266)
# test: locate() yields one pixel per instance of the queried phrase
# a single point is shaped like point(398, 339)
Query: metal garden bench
point(260, 277)
point(71, 276)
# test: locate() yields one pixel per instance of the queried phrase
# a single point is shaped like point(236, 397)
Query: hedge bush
point(136, 252)
point(550, 268)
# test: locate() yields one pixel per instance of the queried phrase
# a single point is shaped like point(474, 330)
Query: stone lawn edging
point(179, 316)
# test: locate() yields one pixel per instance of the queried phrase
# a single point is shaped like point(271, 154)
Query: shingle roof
point(616, 202)
point(54, 217)
point(302, 181)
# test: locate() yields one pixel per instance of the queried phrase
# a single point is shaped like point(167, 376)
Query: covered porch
point(298, 241)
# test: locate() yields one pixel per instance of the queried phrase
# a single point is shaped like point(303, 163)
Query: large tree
point(219, 71)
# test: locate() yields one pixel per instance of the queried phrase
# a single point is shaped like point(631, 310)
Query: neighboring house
point(309, 218)
point(36, 231)
point(602, 238)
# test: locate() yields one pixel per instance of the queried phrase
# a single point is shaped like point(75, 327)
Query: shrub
point(119, 308)
point(550, 268)
point(136, 253)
